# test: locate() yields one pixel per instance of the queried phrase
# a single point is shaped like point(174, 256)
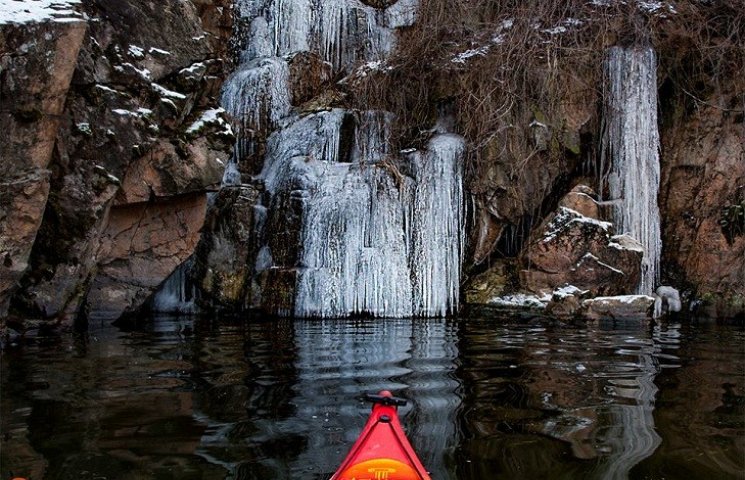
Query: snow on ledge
point(520, 300)
point(26, 11)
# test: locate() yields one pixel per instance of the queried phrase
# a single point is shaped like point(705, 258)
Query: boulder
point(622, 307)
point(566, 302)
point(582, 200)
point(572, 249)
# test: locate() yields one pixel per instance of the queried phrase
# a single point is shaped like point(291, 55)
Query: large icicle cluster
point(344, 32)
point(374, 242)
point(355, 234)
point(437, 226)
point(631, 151)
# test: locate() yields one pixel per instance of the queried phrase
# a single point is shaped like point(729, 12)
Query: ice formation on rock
point(437, 226)
point(374, 242)
point(343, 32)
point(258, 94)
point(630, 153)
point(177, 293)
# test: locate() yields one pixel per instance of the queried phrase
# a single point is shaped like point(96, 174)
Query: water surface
point(490, 398)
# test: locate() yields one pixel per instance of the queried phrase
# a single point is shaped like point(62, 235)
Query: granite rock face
point(131, 131)
point(703, 199)
point(37, 63)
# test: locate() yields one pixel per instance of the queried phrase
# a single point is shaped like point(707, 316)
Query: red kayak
point(382, 451)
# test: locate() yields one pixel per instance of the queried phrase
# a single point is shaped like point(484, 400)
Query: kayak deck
point(382, 451)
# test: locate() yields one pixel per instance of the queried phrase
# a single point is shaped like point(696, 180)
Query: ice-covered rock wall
point(344, 32)
point(630, 152)
point(374, 241)
point(350, 226)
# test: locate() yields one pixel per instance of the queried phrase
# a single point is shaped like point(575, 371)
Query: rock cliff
point(114, 138)
point(355, 158)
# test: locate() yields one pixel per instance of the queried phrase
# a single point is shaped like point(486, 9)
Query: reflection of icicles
point(437, 226)
point(633, 437)
point(258, 95)
point(176, 294)
point(631, 152)
point(338, 361)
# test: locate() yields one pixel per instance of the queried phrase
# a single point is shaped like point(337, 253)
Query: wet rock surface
point(130, 126)
point(704, 177)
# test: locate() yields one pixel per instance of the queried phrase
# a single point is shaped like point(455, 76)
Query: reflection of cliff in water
point(700, 407)
point(592, 388)
point(268, 399)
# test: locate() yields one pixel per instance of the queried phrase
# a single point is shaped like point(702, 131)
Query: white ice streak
point(437, 228)
point(343, 32)
point(630, 152)
point(258, 94)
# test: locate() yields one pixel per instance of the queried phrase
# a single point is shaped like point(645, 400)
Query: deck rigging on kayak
point(382, 451)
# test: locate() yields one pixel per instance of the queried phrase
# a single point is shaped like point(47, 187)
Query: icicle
point(630, 152)
point(437, 228)
point(354, 251)
point(260, 42)
point(296, 153)
point(177, 293)
point(293, 24)
point(258, 95)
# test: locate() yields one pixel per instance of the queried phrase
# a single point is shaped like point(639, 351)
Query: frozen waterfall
point(630, 152)
point(343, 32)
point(436, 226)
point(374, 241)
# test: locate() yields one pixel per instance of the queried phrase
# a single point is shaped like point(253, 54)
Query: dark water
point(190, 399)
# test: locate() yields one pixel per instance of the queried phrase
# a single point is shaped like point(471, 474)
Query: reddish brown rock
point(514, 177)
point(703, 177)
point(37, 61)
point(164, 171)
point(576, 250)
point(145, 75)
point(309, 74)
point(581, 200)
point(623, 307)
point(141, 246)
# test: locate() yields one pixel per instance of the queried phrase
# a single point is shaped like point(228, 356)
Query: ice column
point(436, 226)
point(630, 152)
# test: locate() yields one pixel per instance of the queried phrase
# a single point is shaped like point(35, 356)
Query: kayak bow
point(382, 451)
